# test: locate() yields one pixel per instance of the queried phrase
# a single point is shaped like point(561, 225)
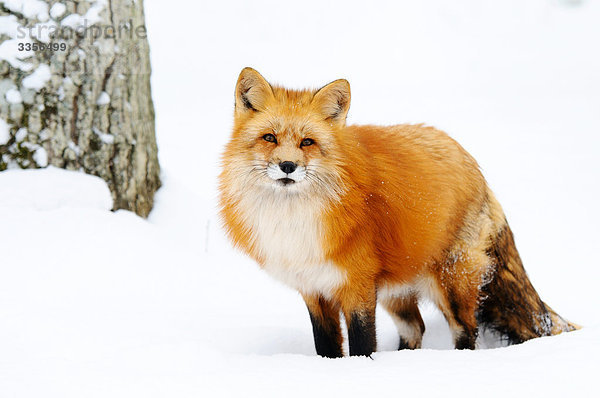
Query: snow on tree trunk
point(85, 102)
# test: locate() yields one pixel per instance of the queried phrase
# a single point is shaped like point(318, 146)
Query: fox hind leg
point(461, 318)
point(404, 311)
point(460, 314)
point(457, 293)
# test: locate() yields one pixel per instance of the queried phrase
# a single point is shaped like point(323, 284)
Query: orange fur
point(384, 208)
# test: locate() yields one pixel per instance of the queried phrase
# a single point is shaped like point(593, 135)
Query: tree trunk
point(85, 103)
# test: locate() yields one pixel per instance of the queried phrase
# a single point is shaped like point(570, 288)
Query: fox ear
point(251, 92)
point(333, 101)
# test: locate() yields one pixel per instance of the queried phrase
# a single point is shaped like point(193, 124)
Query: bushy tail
point(510, 305)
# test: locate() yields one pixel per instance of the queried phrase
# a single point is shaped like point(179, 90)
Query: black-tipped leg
point(361, 332)
point(405, 313)
point(463, 324)
point(403, 345)
point(466, 340)
point(325, 319)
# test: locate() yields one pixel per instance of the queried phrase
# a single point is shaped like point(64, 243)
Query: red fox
point(355, 215)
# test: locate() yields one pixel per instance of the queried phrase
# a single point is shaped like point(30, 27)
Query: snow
point(93, 13)
point(74, 147)
point(9, 52)
point(29, 8)
point(4, 132)
point(103, 98)
point(8, 25)
point(43, 135)
point(42, 30)
point(21, 134)
point(51, 189)
point(91, 17)
point(72, 21)
point(13, 96)
point(57, 10)
point(38, 79)
point(106, 138)
point(105, 304)
point(61, 93)
point(95, 303)
point(40, 156)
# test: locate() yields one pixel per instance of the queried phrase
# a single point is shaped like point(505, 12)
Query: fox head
point(285, 141)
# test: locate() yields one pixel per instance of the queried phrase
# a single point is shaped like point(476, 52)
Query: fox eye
point(307, 142)
point(269, 138)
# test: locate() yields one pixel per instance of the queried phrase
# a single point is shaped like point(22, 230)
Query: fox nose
point(287, 167)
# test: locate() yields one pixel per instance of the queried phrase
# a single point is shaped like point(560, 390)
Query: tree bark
point(85, 104)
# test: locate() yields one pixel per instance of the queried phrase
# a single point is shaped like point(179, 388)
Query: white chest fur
point(288, 235)
point(321, 279)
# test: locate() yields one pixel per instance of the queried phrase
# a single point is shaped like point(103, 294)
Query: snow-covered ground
point(101, 304)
